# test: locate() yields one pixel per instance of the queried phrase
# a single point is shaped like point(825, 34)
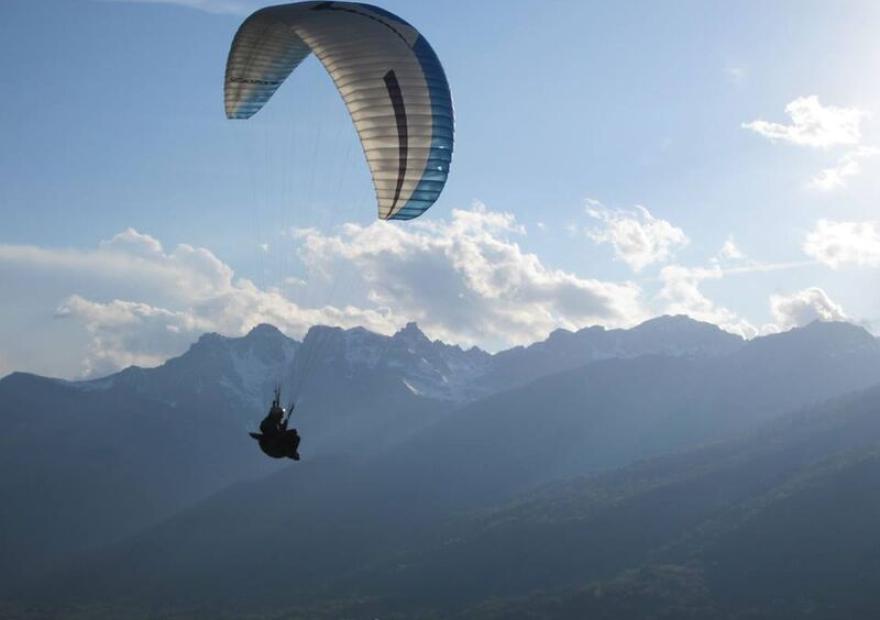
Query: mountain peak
point(562, 333)
point(264, 330)
point(411, 333)
point(815, 340)
point(686, 332)
point(675, 322)
point(209, 337)
point(840, 327)
point(838, 332)
point(321, 333)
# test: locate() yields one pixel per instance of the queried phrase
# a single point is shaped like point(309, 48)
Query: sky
point(613, 162)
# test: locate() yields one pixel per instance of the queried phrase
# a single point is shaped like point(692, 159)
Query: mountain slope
point(806, 548)
point(111, 456)
point(242, 371)
point(158, 441)
point(611, 412)
point(388, 524)
point(79, 468)
point(777, 524)
point(673, 336)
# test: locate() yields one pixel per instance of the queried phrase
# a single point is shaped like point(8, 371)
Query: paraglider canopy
point(388, 75)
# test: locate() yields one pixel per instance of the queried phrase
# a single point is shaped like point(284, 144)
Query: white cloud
point(467, 280)
point(681, 294)
point(840, 243)
point(730, 251)
point(638, 238)
point(847, 166)
point(235, 7)
point(125, 333)
point(804, 307)
point(133, 243)
point(142, 304)
point(813, 124)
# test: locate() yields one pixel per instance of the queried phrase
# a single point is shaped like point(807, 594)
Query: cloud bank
point(142, 304)
point(465, 280)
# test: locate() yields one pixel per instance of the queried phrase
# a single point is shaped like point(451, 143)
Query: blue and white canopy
point(390, 78)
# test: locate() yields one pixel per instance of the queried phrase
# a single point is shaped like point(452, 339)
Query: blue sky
point(613, 161)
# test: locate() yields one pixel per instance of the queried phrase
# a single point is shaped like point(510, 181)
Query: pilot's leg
point(293, 439)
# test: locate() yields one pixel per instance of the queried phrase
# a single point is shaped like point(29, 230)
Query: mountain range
point(644, 464)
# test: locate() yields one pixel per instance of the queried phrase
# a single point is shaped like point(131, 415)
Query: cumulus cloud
point(804, 307)
point(818, 126)
point(639, 239)
point(813, 124)
point(142, 304)
point(126, 333)
point(839, 243)
point(681, 294)
point(848, 166)
point(467, 280)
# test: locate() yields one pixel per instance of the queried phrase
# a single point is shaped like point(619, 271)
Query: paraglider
point(275, 439)
point(395, 91)
point(388, 75)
